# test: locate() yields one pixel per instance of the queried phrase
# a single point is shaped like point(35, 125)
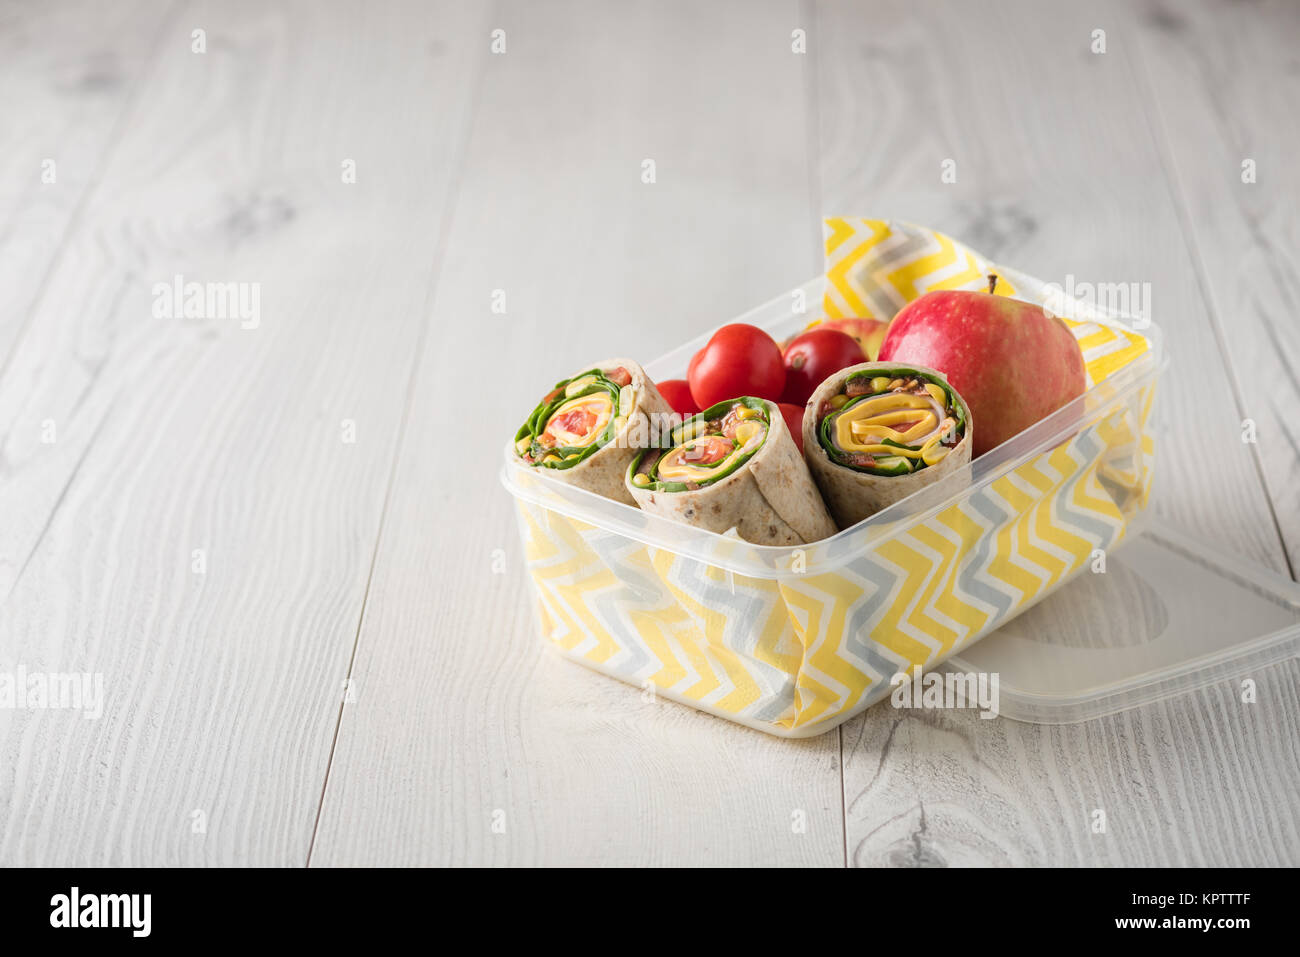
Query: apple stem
point(993, 281)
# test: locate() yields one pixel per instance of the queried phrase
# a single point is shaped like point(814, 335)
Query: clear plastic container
point(794, 641)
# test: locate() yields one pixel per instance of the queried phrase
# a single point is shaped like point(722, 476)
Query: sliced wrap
point(876, 432)
point(588, 429)
point(734, 465)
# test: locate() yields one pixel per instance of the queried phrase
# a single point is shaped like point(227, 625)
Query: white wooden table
point(285, 547)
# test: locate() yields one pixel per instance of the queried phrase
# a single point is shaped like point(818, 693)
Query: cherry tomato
point(739, 360)
point(868, 333)
point(813, 357)
point(678, 394)
point(793, 415)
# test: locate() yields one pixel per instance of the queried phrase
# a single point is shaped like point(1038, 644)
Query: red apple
point(1012, 362)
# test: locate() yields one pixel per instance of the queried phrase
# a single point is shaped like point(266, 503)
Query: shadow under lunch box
point(795, 640)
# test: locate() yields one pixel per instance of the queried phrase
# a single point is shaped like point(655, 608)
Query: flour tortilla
point(852, 495)
point(769, 500)
point(603, 472)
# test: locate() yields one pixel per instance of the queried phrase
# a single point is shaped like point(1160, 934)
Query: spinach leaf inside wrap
point(704, 449)
point(576, 419)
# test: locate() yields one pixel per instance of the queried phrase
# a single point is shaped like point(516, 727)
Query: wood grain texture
point(68, 72)
point(1200, 780)
point(1225, 80)
point(174, 434)
point(461, 712)
point(1058, 172)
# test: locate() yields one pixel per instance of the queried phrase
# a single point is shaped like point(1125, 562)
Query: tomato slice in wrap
point(706, 448)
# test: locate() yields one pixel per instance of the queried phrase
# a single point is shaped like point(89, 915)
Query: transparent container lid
point(1168, 615)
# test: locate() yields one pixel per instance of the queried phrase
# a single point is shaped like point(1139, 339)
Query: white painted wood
point(1200, 780)
point(1225, 82)
point(172, 434)
point(1058, 172)
point(461, 712)
point(67, 73)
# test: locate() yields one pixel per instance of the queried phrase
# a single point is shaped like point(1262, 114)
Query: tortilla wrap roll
point(588, 429)
point(734, 465)
point(876, 432)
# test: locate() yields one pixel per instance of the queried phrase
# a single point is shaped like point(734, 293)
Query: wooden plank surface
point(68, 72)
point(1058, 171)
point(176, 434)
point(462, 718)
point(1202, 780)
point(1227, 80)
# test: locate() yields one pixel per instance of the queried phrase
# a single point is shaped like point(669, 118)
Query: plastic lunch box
point(794, 641)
